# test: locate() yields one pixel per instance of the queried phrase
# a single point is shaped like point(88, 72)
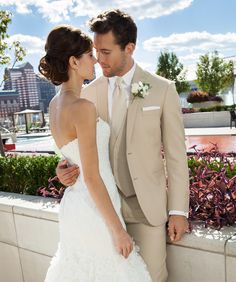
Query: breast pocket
point(150, 110)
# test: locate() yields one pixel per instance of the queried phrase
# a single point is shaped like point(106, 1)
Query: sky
point(189, 28)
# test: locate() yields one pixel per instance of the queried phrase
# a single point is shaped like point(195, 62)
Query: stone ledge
point(207, 239)
point(31, 231)
point(201, 238)
point(34, 206)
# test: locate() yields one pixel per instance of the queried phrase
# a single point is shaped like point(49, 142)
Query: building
point(23, 79)
point(46, 92)
point(9, 103)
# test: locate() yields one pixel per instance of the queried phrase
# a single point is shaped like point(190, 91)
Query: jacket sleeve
point(89, 93)
point(173, 140)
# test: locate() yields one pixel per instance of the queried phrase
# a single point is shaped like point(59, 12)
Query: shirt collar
point(127, 78)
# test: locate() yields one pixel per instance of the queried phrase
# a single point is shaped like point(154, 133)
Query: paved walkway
point(204, 138)
point(210, 131)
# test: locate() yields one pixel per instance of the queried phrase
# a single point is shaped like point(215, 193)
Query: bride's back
point(61, 118)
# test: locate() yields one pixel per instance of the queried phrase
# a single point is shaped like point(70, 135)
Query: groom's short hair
point(121, 24)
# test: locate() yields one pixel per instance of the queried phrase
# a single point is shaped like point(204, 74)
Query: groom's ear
point(129, 48)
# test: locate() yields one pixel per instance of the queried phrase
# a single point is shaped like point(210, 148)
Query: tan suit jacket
point(147, 130)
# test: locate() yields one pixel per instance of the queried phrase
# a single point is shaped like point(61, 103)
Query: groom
point(141, 125)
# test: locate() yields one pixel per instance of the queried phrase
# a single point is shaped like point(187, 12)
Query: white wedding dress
point(86, 252)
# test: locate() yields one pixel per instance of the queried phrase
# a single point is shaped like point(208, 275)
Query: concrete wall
point(207, 119)
point(29, 237)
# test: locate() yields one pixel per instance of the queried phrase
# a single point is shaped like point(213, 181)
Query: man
point(142, 122)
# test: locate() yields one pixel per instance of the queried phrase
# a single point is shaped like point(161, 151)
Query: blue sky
point(189, 28)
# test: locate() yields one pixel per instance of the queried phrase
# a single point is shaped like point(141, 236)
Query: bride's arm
point(85, 125)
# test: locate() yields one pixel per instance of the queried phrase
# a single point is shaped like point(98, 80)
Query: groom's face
point(112, 59)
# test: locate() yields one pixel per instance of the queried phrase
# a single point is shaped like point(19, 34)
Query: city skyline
point(188, 28)
point(24, 89)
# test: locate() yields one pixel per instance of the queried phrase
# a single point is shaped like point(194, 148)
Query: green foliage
point(25, 174)
point(216, 163)
point(218, 108)
point(169, 67)
point(18, 50)
point(213, 74)
point(5, 20)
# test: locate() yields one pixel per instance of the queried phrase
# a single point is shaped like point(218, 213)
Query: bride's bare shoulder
point(52, 104)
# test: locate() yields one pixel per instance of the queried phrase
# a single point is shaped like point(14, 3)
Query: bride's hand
point(123, 242)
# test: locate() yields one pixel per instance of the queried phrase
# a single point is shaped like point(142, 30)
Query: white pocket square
point(151, 108)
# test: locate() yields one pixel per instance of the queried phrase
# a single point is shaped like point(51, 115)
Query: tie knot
point(119, 81)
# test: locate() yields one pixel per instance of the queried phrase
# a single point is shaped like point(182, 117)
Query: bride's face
point(86, 65)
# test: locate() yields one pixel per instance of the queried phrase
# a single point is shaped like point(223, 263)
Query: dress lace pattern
point(86, 252)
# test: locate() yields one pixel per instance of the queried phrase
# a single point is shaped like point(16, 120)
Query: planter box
point(206, 104)
point(207, 119)
point(29, 237)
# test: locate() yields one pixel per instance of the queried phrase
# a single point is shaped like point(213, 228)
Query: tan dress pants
point(150, 239)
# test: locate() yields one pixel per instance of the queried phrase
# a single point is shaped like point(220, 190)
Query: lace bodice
point(71, 152)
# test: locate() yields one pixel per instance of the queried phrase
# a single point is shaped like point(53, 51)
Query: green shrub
point(25, 174)
point(218, 108)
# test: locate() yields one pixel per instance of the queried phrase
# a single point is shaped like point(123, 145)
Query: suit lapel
point(139, 75)
point(102, 100)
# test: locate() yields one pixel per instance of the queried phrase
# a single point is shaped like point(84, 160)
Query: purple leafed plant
point(212, 187)
point(54, 190)
point(188, 110)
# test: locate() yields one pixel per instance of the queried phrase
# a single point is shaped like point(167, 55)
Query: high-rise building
point(46, 92)
point(9, 103)
point(23, 79)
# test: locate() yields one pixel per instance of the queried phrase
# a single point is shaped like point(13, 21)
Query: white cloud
point(147, 66)
point(55, 11)
point(191, 71)
point(190, 57)
point(22, 7)
point(60, 10)
point(189, 46)
point(33, 44)
point(138, 9)
point(192, 41)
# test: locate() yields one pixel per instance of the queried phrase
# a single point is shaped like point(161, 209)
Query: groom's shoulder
point(95, 83)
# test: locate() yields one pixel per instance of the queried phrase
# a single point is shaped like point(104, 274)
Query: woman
point(94, 244)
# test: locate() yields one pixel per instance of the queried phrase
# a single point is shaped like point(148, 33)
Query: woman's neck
point(73, 87)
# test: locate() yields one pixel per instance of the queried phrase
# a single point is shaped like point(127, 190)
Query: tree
point(213, 74)
point(169, 67)
point(5, 59)
point(18, 50)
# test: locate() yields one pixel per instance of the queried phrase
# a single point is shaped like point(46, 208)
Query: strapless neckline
point(76, 139)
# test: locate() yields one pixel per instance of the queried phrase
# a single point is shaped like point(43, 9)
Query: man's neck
point(128, 67)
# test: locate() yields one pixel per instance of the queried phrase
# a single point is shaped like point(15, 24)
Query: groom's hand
point(67, 175)
point(177, 226)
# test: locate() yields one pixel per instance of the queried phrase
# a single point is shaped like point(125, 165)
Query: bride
point(94, 245)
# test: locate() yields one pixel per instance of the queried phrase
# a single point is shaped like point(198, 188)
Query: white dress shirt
point(127, 79)
point(126, 89)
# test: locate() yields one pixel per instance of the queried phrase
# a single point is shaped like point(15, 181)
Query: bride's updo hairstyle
point(62, 43)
